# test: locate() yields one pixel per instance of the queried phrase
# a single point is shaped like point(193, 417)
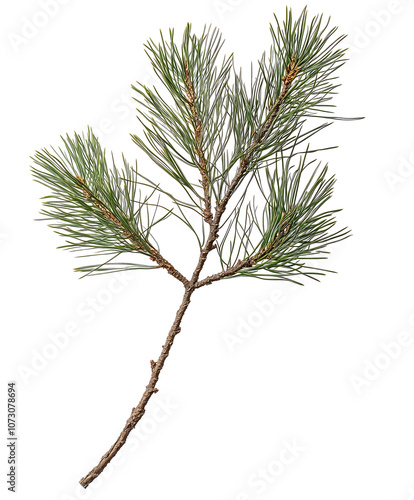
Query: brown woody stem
point(190, 286)
point(230, 271)
point(198, 133)
point(169, 267)
point(139, 410)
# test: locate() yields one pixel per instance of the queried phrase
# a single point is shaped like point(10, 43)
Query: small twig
point(159, 259)
point(230, 271)
point(291, 71)
point(126, 233)
point(251, 261)
point(198, 132)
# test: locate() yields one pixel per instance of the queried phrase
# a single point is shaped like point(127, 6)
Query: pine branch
point(135, 240)
point(192, 127)
point(101, 214)
point(230, 135)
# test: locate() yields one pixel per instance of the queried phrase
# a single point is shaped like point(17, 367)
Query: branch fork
point(194, 283)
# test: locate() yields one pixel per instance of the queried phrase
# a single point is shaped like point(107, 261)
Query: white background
point(221, 414)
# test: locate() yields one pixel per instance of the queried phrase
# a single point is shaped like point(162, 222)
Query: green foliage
point(95, 207)
point(205, 128)
point(169, 127)
point(292, 230)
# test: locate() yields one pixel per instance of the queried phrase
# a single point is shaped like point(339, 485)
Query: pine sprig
point(245, 180)
point(192, 129)
point(98, 208)
point(291, 230)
